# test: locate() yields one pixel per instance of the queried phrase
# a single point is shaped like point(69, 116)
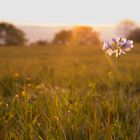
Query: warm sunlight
point(69, 70)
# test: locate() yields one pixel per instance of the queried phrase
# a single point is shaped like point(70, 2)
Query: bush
point(135, 35)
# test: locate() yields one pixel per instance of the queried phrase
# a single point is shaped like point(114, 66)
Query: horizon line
point(56, 25)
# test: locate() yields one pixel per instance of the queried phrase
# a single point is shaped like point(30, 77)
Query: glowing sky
point(67, 12)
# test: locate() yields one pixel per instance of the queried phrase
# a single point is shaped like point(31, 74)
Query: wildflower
point(23, 93)
point(63, 90)
point(69, 111)
point(29, 84)
point(118, 46)
point(114, 40)
point(115, 125)
point(110, 51)
point(56, 88)
point(110, 74)
point(16, 74)
point(56, 118)
point(127, 46)
point(41, 86)
point(16, 95)
point(106, 45)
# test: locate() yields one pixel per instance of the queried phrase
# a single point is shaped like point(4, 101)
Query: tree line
point(79, 35)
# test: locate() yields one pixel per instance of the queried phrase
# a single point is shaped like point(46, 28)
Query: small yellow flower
point(16, 74)
point(63, 90)
point(69, 111)
point(29, 84)
point(56, 118)
point(24, 93)
point(56, 88)
point(41, 86)
point(16, 95)
point(38, 87)
point(110, 74)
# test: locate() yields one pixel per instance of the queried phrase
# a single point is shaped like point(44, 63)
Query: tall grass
point(69, 93)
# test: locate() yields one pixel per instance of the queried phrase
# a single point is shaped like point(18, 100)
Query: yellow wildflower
point(24, 93)
point(29, 84)
point(16, 74)
point(16, 95)
point(56, 118)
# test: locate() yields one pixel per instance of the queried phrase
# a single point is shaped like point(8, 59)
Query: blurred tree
point(10, 35)
point(85, 35)
point(135, 35)
point(125, 27)
point(40, 43)
point(63, 37)
point(80, 35)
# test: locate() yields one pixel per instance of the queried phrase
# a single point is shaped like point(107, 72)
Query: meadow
point(69, 93)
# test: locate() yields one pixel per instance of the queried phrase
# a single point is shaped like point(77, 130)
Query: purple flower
point(118, 46)
point(129, 44)
point(110, 51)
point(114, 40)
point(106, 45)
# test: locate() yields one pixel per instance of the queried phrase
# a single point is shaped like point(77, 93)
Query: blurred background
point(50, 21)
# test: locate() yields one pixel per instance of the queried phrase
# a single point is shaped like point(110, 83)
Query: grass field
point(69, 93)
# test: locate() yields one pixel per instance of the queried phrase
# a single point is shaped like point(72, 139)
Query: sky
point(69, 12)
